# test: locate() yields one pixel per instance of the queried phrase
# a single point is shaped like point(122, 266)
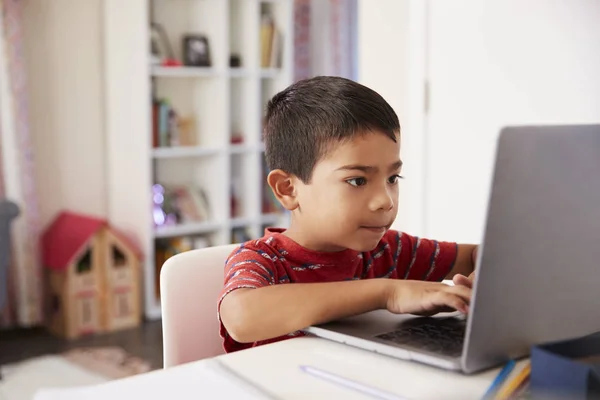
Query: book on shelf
point(178, 204)
point(191, 203)
point(271, 42)
point(169, 128)
point(236, 193)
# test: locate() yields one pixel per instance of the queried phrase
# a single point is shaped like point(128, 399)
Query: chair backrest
point(190, 284)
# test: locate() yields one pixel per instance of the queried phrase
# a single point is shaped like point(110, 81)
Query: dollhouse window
point(122, 305)
point(118, 257)
point(85, 262)
point(86, 311)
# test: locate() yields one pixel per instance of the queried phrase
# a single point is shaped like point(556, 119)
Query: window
point(85, 263)
point(119, 259)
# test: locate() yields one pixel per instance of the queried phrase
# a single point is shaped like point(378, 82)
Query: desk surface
point(275, 369)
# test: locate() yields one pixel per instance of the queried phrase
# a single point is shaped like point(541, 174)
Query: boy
point(333, 148)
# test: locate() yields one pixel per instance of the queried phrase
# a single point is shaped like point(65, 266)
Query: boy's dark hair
point(303, 120)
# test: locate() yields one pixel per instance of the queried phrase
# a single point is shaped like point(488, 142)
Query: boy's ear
point(283, 188)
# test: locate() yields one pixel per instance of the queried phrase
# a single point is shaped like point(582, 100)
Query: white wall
point(490, 67)
point(390, 61)
point(63, 42)
point(486, 67)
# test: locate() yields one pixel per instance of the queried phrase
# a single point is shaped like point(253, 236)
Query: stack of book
point(512, 382)
point(169, 129)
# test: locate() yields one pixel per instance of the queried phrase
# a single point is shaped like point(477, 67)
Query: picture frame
point(196, 51)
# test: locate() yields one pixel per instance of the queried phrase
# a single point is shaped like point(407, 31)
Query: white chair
point(190, 284)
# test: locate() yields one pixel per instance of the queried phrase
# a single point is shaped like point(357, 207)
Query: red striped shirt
point(276, 259)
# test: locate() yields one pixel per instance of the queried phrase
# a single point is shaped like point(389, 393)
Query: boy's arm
point(252, 315)
point(465, 261)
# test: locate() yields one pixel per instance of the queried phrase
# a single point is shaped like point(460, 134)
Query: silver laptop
point(538, 267)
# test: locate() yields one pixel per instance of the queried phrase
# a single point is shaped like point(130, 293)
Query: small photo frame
point(196, 51)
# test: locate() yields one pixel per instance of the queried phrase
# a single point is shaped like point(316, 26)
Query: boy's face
point(352, 198)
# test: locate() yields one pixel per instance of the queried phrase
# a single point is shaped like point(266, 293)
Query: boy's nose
point(382, 200)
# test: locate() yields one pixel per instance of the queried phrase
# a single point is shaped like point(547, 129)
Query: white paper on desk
point(205, 380)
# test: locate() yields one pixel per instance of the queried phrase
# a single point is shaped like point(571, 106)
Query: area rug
point(79, 367)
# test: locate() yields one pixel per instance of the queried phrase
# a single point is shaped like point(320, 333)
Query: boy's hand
point(461, 280)
point(428, 298)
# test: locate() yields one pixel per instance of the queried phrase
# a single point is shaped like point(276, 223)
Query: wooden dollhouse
point(93, 277)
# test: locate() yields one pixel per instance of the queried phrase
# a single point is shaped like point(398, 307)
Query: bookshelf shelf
point(186, 229)
point(241, 222)
point(185, 72)
point(267, 219)
point(269, 73)
point(245, 148)
point(241, 73)
point(194, 114)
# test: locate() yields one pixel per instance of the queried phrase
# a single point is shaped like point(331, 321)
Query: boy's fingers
point(462, 280)
point(461, 291)
point(452, 300)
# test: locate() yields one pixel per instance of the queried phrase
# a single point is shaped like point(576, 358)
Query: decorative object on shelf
point(235, 61)
point(93, 277)
point(237, 138)
point(161, 214)
point(196, 51)
point(161, 52)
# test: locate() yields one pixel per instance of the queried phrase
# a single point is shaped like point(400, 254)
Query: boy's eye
point(394, 179)
point(356, 182)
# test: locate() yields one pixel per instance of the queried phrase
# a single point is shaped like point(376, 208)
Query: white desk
point(275, 368)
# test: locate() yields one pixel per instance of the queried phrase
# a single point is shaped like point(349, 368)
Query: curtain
point(325, 38)
point(24, 305)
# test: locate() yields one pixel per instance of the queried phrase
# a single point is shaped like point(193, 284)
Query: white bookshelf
point(221, 99)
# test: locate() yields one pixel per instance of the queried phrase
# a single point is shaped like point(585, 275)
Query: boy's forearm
point(465, 260)
point(251, 315)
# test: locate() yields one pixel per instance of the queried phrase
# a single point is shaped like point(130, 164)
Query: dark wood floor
point(144, 342)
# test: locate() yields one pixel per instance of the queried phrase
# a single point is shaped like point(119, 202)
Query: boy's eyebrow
point(396, 165)
point(368, 168)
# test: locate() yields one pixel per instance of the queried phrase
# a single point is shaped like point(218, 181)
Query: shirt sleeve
point(246, 267)
point(423, 259)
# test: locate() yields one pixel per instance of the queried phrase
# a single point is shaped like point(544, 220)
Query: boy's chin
point(364, 246)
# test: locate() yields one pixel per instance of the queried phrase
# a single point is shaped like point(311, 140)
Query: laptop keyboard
point(444, 336)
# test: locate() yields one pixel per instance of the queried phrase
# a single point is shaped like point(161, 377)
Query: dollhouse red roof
point(68, 233)
point(65, 236)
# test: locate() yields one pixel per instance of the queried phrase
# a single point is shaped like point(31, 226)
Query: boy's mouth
point(376, 229)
